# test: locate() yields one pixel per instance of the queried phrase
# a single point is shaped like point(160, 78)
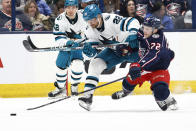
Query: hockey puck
point(13, 114)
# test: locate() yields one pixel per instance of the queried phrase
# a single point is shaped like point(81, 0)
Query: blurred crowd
point(39, 15)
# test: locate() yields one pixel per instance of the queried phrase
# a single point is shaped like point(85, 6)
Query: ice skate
point(120, 94)
point(58, 92)
point(86, 101)
point(74, 89)
point(169, 103)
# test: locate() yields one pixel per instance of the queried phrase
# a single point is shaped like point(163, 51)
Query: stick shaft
point(76, 94)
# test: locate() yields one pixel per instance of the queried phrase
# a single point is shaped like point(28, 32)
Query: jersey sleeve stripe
point(59, 33)
point(151, 59)
point(129, 22)
point(60, 37)
point(133, 29)
point(122, 24)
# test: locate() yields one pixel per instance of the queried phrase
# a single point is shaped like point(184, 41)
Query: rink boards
point(27, 74)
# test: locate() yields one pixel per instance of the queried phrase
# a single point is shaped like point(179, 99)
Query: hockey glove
point(133, 42)
point(122, 50)
point(71, 43)
point(88, 50)
point(135, 71)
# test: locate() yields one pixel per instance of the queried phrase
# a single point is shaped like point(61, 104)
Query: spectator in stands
point(40, 22)
point(142, 8)
point(188, 20)
point(128, 9)
point(20, 5)
point(176, 8)
point(43, 7)
point(158, 10)
point(84, 3)
point(112, 6)
point(22, 21)
point(59, 7)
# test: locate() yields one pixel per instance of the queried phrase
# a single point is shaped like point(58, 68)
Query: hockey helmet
point(153, 22)
point(71, 3)
point(91, 11)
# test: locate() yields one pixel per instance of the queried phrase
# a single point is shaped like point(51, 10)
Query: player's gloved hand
point(122, 50)
point(135, 70)
point(88, 50)
point(133, 42)
point(71, 43)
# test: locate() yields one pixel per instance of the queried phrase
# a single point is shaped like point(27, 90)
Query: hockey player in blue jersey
point(153, 66)
point(68, 28)
point(107, 29)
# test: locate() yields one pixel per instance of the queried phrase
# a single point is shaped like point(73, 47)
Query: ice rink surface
point(133, 113)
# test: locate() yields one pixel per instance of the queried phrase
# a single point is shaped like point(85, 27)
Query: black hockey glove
point(122, 50)
point(135, 70)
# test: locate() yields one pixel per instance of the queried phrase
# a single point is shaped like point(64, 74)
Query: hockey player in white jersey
point(68, 28)
point(107, 29)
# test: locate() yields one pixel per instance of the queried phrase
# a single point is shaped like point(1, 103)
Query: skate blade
point(85, 106)
point(173, 107)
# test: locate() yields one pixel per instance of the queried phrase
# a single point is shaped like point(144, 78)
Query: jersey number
point(117, 19)
point(56, 27)
point(155, 46)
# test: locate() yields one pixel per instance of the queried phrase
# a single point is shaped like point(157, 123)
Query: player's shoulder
point(80, 13)
point(159, 36)
point(60, 17)
point(108, 16)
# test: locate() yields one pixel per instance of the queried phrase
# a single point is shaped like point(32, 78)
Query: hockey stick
point(30, 46)
point(33, 108)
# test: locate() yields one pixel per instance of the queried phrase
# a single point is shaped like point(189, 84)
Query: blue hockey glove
point(122, 50)
point(133, 42)
point(88, 50)
point(135, 71)
point(71, 43)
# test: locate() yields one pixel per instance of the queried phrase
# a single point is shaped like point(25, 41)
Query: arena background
point(31, 74)
point(26, 74)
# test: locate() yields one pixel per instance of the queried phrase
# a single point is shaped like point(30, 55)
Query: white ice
point(133, 113)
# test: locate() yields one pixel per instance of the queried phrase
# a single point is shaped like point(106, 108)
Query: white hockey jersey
point(66, 29)
point(115, 28)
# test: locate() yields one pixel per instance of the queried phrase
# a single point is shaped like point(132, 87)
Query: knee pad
point(127, 86)
point(96, 67)
point(77, 65)
point(160, 90)
point(62, 60)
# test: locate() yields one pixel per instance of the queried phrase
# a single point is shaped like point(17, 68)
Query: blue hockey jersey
point(154, 52)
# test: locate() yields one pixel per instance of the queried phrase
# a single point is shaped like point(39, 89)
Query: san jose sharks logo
point(110, 40)
point(73, 34)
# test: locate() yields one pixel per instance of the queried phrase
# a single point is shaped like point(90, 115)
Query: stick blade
point(31, 43)
point(27, 46)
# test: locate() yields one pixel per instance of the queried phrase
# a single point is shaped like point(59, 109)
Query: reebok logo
point(1, 64)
